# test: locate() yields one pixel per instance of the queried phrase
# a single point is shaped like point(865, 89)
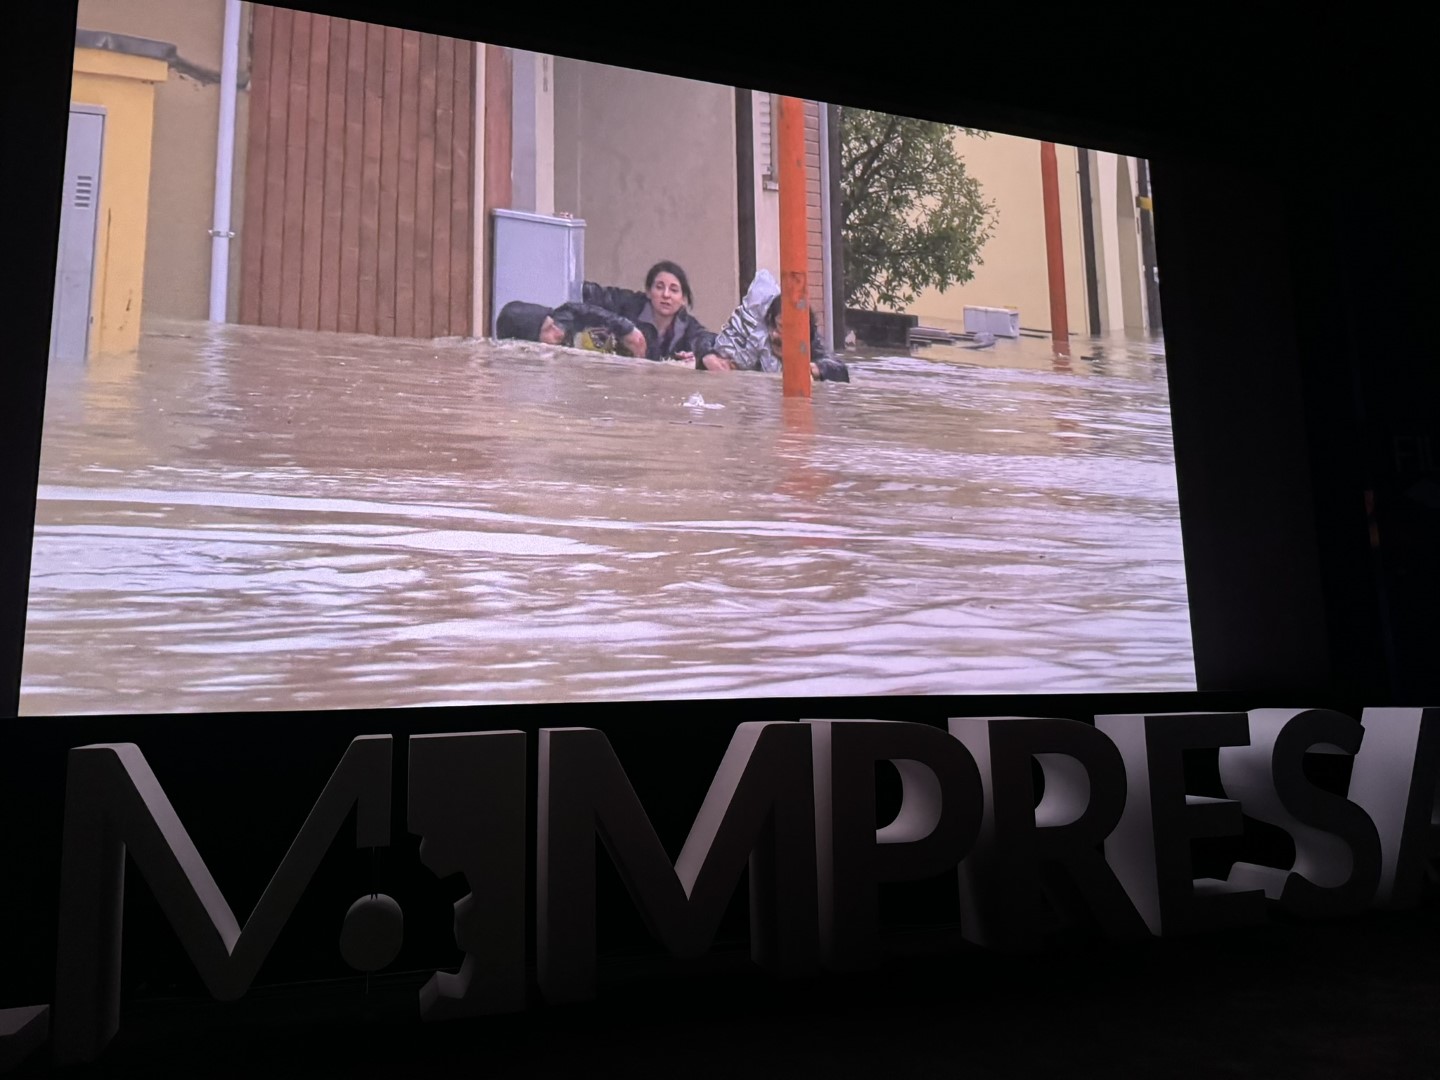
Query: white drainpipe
point(220, 234)
point(477, 201)
point(825, 238)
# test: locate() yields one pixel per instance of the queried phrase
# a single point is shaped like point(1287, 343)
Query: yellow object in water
point(595, 341)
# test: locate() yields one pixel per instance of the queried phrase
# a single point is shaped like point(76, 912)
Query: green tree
point(913, 217)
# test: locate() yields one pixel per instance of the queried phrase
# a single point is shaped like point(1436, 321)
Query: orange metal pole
point(1054, 249)
point(794, 253)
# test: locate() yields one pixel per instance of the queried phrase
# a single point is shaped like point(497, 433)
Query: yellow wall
point(1014, 271)
point(182, 181)
point(125, 87)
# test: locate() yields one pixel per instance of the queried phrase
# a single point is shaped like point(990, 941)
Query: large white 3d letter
point(759, 807)
point(1337, 851)
point(940, 811)
point(114, 803)
point(1395, 780)
point(1149, 849)
point(1053, 850)
point(467, 803)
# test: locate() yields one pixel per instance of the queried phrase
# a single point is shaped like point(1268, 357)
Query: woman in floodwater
point(751, 338)
point(660, 312)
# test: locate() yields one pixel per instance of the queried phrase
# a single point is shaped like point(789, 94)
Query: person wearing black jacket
point(570, 324)
point(660, 313)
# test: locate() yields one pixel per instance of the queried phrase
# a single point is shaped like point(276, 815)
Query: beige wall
point(648, 161)
point(1107, 240)
point(182, 179)
point(1119, 277)
point(1129, 229)
point(767, 191)
point(532, 169)
point(1014, 271)
point(545, 136)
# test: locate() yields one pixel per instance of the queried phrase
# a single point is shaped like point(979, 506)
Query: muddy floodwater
point(241, 519)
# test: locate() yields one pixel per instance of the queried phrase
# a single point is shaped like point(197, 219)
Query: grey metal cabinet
point(538, 259)
point(71, 318)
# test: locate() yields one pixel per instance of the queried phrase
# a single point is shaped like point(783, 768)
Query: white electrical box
point(1002, 322)
point(538, 259)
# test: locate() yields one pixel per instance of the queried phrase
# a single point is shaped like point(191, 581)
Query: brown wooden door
point(358, 188)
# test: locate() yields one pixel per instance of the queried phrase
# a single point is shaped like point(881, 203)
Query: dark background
point(1296, 232)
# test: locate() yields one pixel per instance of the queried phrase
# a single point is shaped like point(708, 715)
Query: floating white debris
point(696, 401)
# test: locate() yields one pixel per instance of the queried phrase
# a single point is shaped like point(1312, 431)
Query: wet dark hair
point(519, 319)
point(665, 266)
point(772, 315)
point(830, 369)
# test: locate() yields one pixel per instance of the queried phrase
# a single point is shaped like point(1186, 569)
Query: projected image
point(396, 370)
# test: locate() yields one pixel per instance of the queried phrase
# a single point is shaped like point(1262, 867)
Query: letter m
point(114, 804)
point(760, 810)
